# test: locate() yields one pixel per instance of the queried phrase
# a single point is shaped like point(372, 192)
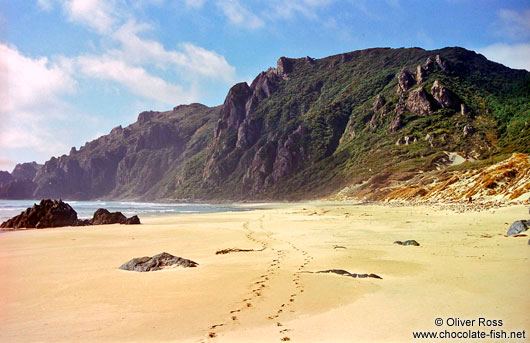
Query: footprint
point(279, 324)
point(234, 318)
point(285, 339)
point(212, 334)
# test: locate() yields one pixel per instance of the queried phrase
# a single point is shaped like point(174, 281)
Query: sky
point(71, 70)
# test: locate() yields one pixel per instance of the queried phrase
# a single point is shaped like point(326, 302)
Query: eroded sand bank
point(64, 284)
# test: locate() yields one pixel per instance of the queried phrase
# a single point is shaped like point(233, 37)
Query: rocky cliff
point(305, 129)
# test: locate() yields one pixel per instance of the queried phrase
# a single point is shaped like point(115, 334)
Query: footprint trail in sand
point(287, 260)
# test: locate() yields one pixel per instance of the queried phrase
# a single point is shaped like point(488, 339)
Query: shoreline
point(64, 283)
point(455, 206)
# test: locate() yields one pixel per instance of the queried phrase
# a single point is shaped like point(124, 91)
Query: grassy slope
point(333, 99)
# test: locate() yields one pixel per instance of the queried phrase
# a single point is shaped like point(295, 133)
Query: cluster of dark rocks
point(56, 213)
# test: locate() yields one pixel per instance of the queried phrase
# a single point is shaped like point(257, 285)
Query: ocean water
point(85, 209)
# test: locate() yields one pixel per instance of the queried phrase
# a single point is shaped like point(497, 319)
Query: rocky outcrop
point(379, 102)
point(289, 154)
point(463, 109)
point(56, 213)
point(434, 62)
point(467, 130)
point(19, 184)
point(379, 110)
point(405, 81)
point(157, 262)
point(420, 74)
point(48, 213)
point(444, 97)
point(146, 116)
point(26, 170)
point(234, 108)
point(226, 133)
point(284, 66)
point(17, 189)
point(102, 217)
point(237, 120)
point(429, 138)
point(396, 123)
point(419, 103)
point(5, 177)
point(275, 160)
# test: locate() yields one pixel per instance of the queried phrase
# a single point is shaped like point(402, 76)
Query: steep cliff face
point(306, 129)
point(18, 184)
point(128, 162)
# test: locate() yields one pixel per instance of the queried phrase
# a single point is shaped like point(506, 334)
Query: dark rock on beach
point(409, 242)
point(49, 213)
point(347, 273)
point(517, 227)
point(157, 262)
point(56, 213)
point(103, 216)
point(134, 220)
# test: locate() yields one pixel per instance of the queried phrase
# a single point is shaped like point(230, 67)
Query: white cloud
point(100, 15)
point(515, 24)
point(32, 84)
point(29, 99)
point(239, 15)
point(514, 56)
point(192, 59)
point(135, 78)
point(287, 9)
point(207, 63)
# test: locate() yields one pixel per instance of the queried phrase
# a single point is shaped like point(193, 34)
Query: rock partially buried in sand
point(157, 262)
point(518, 227)
point(346, 273)
point(230, 250)
point(409, 242)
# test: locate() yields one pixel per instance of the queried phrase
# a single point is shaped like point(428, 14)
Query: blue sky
point(71, 70)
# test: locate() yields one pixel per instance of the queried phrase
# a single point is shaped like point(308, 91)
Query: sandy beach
point(65, 285)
